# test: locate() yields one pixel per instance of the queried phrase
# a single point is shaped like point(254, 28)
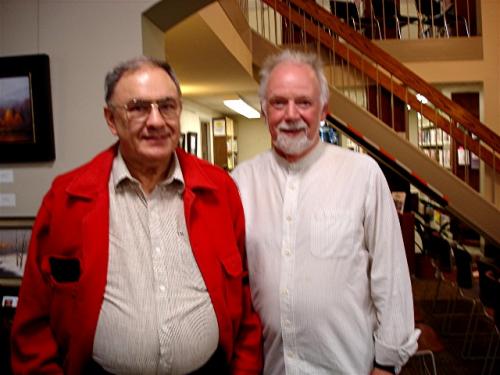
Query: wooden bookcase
point(225, 143)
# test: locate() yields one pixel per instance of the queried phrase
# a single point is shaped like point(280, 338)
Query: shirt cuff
point(396, 356)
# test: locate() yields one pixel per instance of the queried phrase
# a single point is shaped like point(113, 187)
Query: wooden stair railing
point(320, 24)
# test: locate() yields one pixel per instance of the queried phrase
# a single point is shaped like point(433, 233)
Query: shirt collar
point(304, 162)
point(120, 173)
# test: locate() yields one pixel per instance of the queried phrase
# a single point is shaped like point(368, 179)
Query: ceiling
point(208, 65)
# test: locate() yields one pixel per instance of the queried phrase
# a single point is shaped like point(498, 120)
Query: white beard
point(292, 145)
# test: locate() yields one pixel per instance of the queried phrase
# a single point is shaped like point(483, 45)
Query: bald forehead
point(148, 74)
point(141, 73)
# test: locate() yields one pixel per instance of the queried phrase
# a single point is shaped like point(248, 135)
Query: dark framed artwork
point(15, 235)
point(182, 141)
point(26, 127)
point(192, 143)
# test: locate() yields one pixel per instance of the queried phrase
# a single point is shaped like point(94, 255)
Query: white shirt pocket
point(331, 234)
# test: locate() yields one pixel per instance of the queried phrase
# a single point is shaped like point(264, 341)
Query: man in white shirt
point(329, 277)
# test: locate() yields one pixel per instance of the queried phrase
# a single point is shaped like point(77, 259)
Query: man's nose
point(291, 111)
point(155, 117)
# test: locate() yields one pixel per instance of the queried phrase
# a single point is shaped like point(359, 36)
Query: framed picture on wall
point(182, 141)
point(192, 143)
point(15, 235)
point(26, 128)
point(219, 127)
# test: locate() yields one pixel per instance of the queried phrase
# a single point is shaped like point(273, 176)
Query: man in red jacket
point(136, 263)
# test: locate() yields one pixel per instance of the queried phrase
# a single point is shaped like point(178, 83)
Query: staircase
point(361, 76)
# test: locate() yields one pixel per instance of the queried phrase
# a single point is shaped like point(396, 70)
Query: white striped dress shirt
point(157, 316)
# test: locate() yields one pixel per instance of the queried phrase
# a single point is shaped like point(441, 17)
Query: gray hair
point(295, 57)
point(132, 65)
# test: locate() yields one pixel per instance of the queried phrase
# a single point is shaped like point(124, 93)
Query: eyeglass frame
point(151, 104)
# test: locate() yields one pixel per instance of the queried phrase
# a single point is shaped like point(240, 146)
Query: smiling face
point(293, 109)
point(147, 142)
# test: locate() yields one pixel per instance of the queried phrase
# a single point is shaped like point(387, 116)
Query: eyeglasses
point(138, 110)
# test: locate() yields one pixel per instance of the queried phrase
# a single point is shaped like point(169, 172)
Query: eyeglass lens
point(139, 109)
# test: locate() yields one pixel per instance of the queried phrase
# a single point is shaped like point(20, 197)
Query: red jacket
point(55, 322)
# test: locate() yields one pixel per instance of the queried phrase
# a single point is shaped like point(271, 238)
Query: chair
point(426, 264)
point(486, 291)
point(346, 11)
point(464, 281)
point(388, 14)
point(438, 15)
point(425, 267)
point(428, 344)
point(488, 296)
point(494, 283)
point(440, 250)
point(463, 262)
point(349, 13)
point(493, 252)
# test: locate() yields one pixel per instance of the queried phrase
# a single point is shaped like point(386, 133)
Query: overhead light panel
point(241, 107)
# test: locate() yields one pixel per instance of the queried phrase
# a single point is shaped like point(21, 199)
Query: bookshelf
point(435, 143)
point(225, 143)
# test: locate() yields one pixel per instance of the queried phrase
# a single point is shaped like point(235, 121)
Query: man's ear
point(324, 112)
point(110, 120)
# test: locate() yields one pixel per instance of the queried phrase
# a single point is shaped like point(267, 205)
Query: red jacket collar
point(95, 174)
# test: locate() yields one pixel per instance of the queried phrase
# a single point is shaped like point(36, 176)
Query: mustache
point(158, 132)
point(296, 125)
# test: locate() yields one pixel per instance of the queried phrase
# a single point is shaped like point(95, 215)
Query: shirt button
point(289, 218)
point(157, 249)
point(287, 252)
point(287, 323)
point(290, 354)
point(162, 288)
point(284, 292)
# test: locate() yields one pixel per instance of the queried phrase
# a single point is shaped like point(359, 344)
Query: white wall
point(190, 123)
point(253, 138)
point(83, 39)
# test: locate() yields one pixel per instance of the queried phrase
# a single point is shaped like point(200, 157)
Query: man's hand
point(377, 371)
